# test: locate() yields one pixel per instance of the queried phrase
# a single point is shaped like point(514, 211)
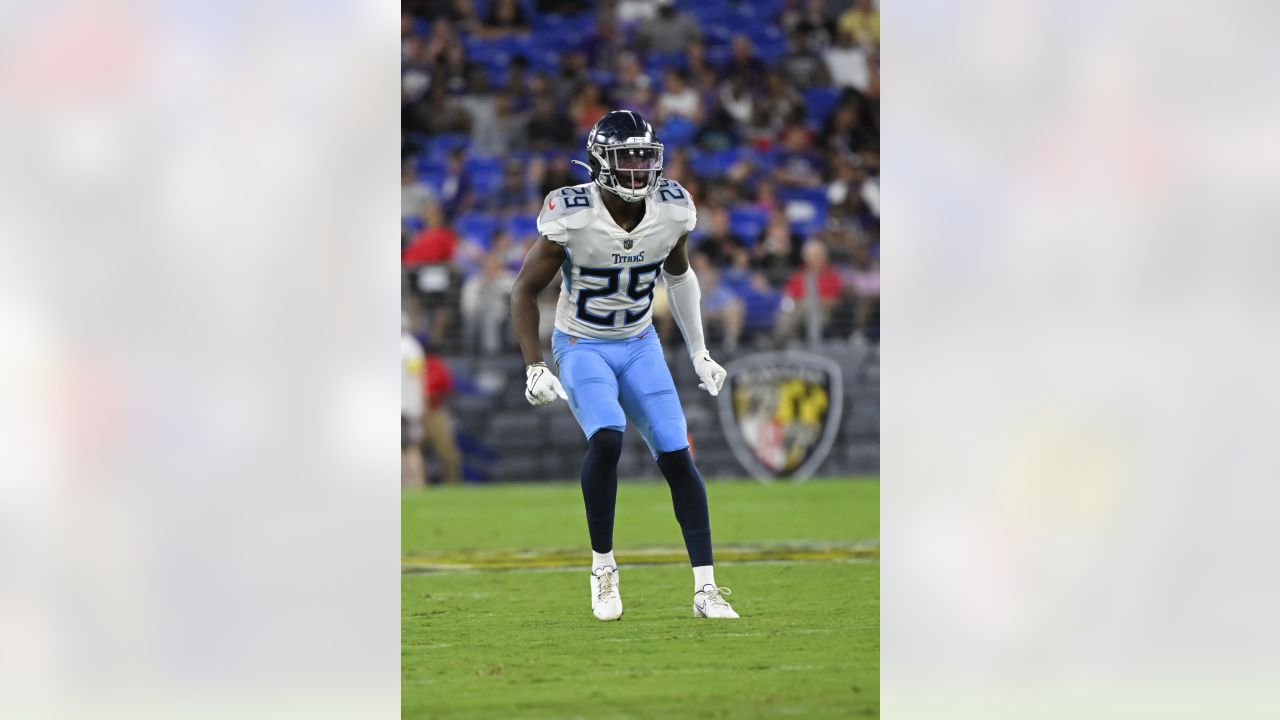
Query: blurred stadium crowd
point(770, 114)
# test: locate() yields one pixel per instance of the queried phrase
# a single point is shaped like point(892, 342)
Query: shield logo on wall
point(780, 412)
point(628, 244)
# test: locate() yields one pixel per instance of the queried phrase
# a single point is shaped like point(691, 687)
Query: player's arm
point(686, 307)
point(540, 266)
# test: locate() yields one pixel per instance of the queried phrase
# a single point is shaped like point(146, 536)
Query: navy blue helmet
point(624, 155)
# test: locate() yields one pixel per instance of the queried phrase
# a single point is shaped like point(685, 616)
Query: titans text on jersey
point(609, 273)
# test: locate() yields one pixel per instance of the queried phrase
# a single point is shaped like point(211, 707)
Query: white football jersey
point(609, 273)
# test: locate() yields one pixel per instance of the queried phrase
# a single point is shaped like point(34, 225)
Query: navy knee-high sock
point(689, 497)
point(600, 486)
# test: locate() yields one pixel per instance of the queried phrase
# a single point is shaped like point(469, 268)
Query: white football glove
point(709, 372)
point(540, 386)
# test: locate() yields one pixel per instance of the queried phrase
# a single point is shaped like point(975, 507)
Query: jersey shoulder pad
point(677, 202)
point(563, 209)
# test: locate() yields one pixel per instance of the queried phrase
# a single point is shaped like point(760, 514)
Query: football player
point(611, 238)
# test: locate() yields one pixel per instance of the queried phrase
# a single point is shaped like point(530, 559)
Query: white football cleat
point(606, 603)
point(709, 602)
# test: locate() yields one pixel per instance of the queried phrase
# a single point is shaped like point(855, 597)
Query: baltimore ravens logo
point(628, 244)
point(780, 412)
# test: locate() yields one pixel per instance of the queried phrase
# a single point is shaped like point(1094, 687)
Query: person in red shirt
point(816, 266)
point(437, 421)
point(435, 244)
point(814, 291)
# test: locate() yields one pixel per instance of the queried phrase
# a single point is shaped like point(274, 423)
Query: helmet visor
point(635, 167)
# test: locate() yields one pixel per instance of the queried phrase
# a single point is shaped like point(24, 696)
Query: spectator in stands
point(515, 196)
point(453, 69)
point(455, 187)
point(678, 99)
point(743, 61)
point(722, 310)
point(558, 176)
point(437, 241)
point(844, 133)
point(669, 31)
point(415, 76)
point(765, 197)
point(575, 71)
point(516, 78)
point(486, 298)
point(812, 22)
point(540, 85)
point(854, 194)
point(847, 63)
point(777, 105)
point(798, 166)
point(802, 66)
point(412, 399)
point(609, 43)
point(737, 98)
point(695, 58)
point(480, 106)
point(413, 193)
point(675, 165)
point(439, 114)
point(719, 241)
point(549, 128)
point(506, 17)
point(777, 255)
point(587, 107)
point(814, 291)
point(437, 420)
point(862, 21)
point(864, 281)
point(631, 83)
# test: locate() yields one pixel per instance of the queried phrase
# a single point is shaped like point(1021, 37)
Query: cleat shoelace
point(606, 586)
point(714, 596)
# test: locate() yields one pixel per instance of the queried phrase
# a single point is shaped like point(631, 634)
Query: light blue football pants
point(611, 381)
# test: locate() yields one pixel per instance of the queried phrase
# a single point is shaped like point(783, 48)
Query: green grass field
point(496, 619)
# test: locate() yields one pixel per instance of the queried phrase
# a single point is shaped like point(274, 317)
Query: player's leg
point(438, 426)
point(593, 397)
point(649, 398)
point(412, 474)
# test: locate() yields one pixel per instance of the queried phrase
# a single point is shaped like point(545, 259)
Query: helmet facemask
point(629, 170)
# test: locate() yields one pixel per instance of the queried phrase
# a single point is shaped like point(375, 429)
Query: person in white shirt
point(412, 397)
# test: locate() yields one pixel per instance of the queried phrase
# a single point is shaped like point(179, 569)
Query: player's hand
point(540, 386)
point(709, 372)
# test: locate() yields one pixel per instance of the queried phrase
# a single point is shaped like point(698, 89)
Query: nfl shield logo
point(780, 412)
point(628, 244)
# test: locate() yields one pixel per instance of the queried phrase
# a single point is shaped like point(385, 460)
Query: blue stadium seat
point(820, 101)
point(412, 224)
point(747, 223)
point(486, 180)
point(430, 170)
point(482, 164)
point(716, 163)
point(438, 146)
point(548, 24)
point(476, 228)
point(677, 131)
point(522, 227)
point(806, 209)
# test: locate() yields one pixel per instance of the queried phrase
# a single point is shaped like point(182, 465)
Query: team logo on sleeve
point(780, 412)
